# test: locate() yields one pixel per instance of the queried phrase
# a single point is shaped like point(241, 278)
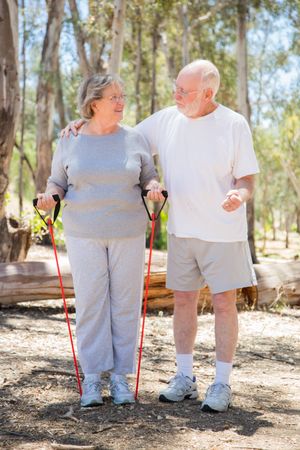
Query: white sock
point(92, 377)
point(185, 364)
point(223, 371)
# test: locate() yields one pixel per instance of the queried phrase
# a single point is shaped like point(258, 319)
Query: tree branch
point(25, 157)
point(214, 10)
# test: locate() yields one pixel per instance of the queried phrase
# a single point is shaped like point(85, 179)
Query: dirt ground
point(39, 403)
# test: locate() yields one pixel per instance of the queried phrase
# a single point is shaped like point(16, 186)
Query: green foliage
point(39, 230)
point(161, 242)
point(273, 56)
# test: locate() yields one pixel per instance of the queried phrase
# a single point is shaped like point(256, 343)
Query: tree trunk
point(287, 229)
point(243, 101)
point(273, 224)
point(298, 219)
point(169, 59)
point(46, 92)
point(97, 40)
point(9, 88)
point(264, 215)
point(291, 175)
point(59, 100)
point(12, 244)
point(22, 110)
point(185, 34)
point(85, 67)
point(138, 65)
point(155, 38)
point(117, 37)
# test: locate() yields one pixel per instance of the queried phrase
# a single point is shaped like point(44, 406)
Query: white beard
point(190, 110)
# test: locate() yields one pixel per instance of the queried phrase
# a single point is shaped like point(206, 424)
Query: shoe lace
point(92, 386)
point(120, 385)
point(178, 381)
point(217, 388)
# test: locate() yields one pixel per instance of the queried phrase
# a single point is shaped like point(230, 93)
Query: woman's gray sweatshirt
point(102, 177)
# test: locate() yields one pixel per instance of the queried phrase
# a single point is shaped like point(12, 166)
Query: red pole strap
point(65, 305)
point(145, 306)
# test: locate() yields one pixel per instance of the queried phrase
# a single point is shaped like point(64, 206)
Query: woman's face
point(111, 105)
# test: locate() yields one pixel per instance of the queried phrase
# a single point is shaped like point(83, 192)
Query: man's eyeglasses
point(117, 98)
point(182, 92)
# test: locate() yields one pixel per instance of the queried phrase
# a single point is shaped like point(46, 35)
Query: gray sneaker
point(217, 398)
point(180, 388)
point(120, 390)
point(91, 394)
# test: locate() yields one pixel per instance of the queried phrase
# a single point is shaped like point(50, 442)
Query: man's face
point(188, 94)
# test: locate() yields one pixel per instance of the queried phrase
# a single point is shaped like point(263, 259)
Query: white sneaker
point(120, 390)
point(217, 398)
point(180, 388)
point(91, 393)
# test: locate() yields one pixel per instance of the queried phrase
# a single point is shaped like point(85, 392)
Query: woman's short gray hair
point(92, 89)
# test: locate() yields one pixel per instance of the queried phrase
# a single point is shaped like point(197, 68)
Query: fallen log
point(37, 280)
point(33, 280)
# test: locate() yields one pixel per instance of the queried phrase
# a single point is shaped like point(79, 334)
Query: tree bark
point(138, 65)
point(59, 100)
point(169, 59)
point(12, 245)
point(85, 67)
point(96, 39)
point(298, 219)
point(185, 34)
point(243, 102)
point(9, 90)
point(22, 110)
point(46, 92)
point(117, 37)
point(155, 39)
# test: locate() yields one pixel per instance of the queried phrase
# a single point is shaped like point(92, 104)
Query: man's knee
point(185, 299)
point(224, 302)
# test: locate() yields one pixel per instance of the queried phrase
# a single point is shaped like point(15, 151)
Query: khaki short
point(223, 266)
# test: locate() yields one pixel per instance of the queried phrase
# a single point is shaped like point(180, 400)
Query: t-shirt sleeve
point(58, 175)
point(245, 162)
point(148, 128)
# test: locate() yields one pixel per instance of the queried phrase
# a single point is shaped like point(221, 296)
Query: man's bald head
point(207, 72)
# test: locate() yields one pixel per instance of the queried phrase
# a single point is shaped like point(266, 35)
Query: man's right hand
point(45, 201)
point(72, 127)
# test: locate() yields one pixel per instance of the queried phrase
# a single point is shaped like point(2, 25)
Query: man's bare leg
point(185, 321)
point(218, 395)
point(226, 325)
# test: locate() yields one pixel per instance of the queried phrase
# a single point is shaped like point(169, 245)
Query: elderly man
point(208, 162)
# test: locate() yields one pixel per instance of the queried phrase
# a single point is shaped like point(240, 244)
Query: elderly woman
point(100, 174)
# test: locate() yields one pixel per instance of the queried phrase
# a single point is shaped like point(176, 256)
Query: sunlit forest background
point(60, 42)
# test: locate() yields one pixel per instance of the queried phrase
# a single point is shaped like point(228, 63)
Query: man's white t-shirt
point(201, 158)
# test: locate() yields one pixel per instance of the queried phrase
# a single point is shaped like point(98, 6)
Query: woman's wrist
point(152, 183)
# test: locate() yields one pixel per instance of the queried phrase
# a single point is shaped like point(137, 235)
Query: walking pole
point(50, 224)
point(153, 219)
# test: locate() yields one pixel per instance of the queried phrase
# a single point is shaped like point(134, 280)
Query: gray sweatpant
point(108, 277)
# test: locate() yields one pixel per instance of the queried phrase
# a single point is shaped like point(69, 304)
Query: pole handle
point(56, 210)
point(144, 194)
